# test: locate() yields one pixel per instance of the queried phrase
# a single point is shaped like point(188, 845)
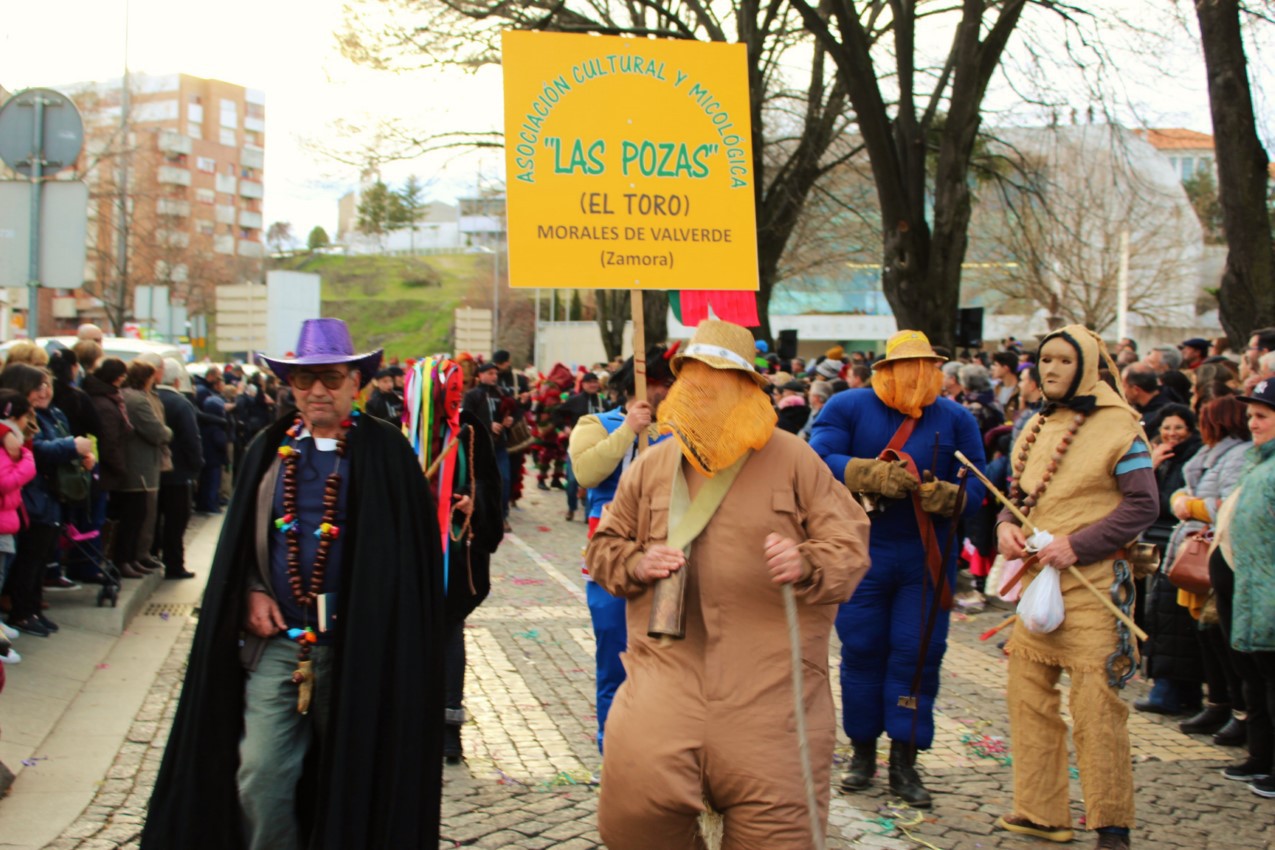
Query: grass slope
point(404, 304)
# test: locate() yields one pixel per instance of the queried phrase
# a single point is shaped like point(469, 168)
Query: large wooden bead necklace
point(1025, 502)
point(306, 595)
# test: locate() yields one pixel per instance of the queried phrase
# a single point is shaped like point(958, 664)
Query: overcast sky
point(286, 49)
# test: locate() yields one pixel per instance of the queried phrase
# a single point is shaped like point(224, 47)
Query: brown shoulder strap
point(900, 436)
point(933, 555)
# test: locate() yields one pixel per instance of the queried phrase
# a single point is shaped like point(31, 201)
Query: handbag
point(1190, 567)
point(71, 482)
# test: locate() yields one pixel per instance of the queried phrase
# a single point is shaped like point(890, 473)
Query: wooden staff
point(639, 354)
point(1007, 622)
point(669, 594)
point(991, 488)
point(1013, 509)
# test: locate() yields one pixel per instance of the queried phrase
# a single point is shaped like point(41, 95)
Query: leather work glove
point(939, 497)
point(889, 478)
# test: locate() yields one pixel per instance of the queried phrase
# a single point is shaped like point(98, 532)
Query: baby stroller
point(93, 547)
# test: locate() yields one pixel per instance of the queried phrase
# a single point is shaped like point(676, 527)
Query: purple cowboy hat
point(326, 342)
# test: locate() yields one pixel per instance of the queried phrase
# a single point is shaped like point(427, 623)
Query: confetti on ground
point(528, 581)
point(988, 747)
point(543, 528)
point(580, 777)
point(505, 779)
point(31, 761)
point(530, 634)
point(103, 666)
point(164, 615)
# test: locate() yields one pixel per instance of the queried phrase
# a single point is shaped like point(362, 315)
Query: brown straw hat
point(908, 345)
point(721, 345)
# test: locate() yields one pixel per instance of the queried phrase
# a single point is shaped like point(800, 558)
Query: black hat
point(500, 356)
point(794, 386)
point(588, 376)
point(657, 369)
point(383, 373)
point(1263, 393)
point(487, 367)
point(1201, 345)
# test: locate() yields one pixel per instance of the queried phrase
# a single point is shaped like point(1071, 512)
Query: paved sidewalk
point(78, 694)
point(532, 766)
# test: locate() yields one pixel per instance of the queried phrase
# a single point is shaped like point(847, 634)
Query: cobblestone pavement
point(530, 780)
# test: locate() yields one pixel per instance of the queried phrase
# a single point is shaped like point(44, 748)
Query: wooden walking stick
point(1022, 518)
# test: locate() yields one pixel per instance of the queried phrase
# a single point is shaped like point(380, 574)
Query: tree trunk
point(655, 311)
point(1247, 295)
point(613, 313)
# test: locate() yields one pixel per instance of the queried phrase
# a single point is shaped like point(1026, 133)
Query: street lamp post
point(495, 294)
point(495, 299)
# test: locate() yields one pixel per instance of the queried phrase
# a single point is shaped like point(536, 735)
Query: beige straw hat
point(908, 345)
point(721, 345)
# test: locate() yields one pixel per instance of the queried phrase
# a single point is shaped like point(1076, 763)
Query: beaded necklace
point(305, 596)
point(1025, 502)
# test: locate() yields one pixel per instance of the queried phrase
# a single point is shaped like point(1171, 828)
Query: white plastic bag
point(1041, 608)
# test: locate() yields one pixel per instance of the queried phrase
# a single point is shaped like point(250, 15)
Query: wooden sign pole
point(639, 353)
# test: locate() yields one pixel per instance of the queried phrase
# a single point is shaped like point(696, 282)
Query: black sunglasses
point(305, 380)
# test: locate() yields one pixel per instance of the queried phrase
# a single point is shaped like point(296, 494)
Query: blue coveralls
point(880, 627)
point(610, 633)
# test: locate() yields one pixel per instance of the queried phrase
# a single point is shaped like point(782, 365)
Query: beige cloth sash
point(688, 518)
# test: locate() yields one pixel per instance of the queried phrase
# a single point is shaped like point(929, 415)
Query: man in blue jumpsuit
point(881, 628)
point(602, 446)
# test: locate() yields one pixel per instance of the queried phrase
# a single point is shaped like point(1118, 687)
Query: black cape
point(469, 565)
point(379, 780)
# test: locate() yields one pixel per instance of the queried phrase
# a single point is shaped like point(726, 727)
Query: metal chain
point(1120, 664)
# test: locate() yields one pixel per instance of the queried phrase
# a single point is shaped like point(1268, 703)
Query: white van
point(125, 348)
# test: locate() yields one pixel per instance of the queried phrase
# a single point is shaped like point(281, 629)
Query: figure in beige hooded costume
point(1082, 472)
point(709, 719)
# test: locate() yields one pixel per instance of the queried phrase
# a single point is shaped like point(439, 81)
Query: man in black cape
point(372, 777)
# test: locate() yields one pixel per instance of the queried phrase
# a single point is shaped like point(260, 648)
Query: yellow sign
point(629, 163)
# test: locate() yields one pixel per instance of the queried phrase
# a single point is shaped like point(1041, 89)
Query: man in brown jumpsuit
point(708, 720)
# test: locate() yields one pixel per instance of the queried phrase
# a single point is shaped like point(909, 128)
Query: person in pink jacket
point(17, 467)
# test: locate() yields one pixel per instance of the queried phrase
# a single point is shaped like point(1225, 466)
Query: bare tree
point(613, 312)
point(1056, 230)
point(1246, 298)
point(279, 236)
point(919, 109)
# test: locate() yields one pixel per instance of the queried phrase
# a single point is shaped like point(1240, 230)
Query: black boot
point(1233, 734)
point(904, 781)
point(452, 750)
point(1210, 719)
point(863, 766)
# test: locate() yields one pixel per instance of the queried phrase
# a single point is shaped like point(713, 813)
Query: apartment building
point(191, 152)
point(1188, 151)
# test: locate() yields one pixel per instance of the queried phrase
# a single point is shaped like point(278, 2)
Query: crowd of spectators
point(119, 454)
point(101, 467)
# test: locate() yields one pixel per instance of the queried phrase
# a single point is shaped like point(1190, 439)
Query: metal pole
point(125, 153)
point(495, 298)
point(37, 186)
point(1122, 288)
